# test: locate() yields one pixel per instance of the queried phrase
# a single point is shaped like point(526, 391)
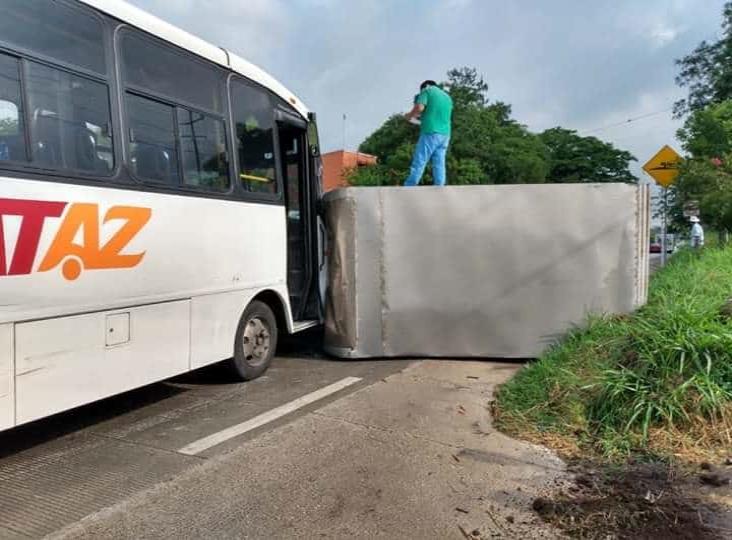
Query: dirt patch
point(637, 501)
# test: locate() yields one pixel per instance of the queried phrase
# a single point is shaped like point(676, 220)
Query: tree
point(705, 177)
point(708, 132)
point(8, 126)
point(466, 87)
point(677, 223)
point(391, 135)
point(487, 145)
point(709, 182)
point(707, 71)
point(574, 159)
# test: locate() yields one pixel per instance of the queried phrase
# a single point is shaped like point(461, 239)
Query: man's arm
point(416, 111)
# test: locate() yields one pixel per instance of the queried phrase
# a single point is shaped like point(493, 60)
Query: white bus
point(157, 206)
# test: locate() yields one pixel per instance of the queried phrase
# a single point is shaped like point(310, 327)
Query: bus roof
point(135, 16)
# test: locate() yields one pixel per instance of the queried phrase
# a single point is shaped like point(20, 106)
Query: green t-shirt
point(437, 112)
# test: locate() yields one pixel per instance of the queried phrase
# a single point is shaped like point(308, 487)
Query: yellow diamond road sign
point(664, 166)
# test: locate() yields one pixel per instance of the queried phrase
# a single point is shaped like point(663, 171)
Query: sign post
point(664, 168)
point(664, 228)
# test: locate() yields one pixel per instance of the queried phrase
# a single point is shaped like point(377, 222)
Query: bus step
point(299, 326)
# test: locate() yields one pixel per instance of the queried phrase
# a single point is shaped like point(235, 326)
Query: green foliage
point(468, 170)
point(487, 146)
point(677, 223)
point(394, 133)
point(706, 177)
point(467, 88)
point(708, 181)
point(392, 167)
point(585, 159)
point(8, 126)
point(707, 70)
point(668, 366)
point(708, 132)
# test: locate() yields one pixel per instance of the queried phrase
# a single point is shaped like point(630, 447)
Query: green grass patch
point(638, 384)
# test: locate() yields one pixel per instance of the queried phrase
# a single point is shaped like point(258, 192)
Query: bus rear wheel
point(256, 341)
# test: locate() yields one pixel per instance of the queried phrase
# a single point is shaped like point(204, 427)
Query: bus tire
point(256, 341)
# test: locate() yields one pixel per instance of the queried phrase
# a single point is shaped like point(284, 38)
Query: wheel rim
point(256, 341)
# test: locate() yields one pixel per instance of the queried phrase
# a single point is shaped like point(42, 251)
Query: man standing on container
point(433, 107)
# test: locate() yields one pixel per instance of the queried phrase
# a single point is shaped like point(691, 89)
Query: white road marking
point(200, 445)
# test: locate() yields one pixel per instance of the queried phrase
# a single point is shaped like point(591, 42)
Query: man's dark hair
point(427, 84)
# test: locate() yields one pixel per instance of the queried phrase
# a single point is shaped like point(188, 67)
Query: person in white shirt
point(697, 233)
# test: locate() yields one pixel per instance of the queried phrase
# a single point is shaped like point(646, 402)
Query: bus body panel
point(114, 274)
point(214, 321)
point(161, 284)
point(7, 382)
point(131, 248)
point(79, 361)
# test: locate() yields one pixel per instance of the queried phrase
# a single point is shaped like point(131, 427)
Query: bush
point(668, 367)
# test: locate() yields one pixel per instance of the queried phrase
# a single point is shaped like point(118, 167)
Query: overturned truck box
point(480, 271)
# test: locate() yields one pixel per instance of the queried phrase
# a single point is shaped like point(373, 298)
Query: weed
point(619, 381)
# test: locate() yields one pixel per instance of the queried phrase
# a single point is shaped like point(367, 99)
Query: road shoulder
point(413, 455)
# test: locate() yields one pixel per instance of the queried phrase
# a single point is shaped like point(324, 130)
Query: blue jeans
point(430, 146)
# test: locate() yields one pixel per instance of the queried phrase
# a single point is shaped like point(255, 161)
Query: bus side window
point(254, 126)
point(153, 150)
point(160, 69)
point(176, 134)
point(203, 151)
point(68, 114)
point(12, 138)
point(53, 29)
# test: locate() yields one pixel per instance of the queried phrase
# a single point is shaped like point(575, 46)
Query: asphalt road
point(316, 448)
point(412, 455)
point(61, 469)
point(655, 261)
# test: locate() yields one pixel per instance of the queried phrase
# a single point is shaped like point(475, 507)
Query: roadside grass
point(656, 384)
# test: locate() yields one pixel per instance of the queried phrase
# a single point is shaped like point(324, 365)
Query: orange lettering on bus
point(81, 216)
point(136, 218)
point(84, 217)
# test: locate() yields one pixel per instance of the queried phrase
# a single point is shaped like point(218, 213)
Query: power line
point(628, 121)
point(711, 40)
point(632, 134)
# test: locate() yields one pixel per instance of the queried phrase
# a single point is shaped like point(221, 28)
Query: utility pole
point(664, 227)
point(664, 168)
point(344, 131)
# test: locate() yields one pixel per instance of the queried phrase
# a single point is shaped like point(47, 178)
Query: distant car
point(656, 248)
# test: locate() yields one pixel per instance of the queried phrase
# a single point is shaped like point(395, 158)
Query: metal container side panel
point(644, 240)
point(503, 271)
point(370, 300)
point(188, 246)
point(491, 271)
point(7, 377)
point(340, 320)
point(353, 311)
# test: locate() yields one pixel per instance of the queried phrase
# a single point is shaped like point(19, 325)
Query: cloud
point(564, 62)
point(458, 4)
point(662, 34)
point(255, 29)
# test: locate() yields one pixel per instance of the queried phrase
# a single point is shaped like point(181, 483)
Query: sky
point(571, 63)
